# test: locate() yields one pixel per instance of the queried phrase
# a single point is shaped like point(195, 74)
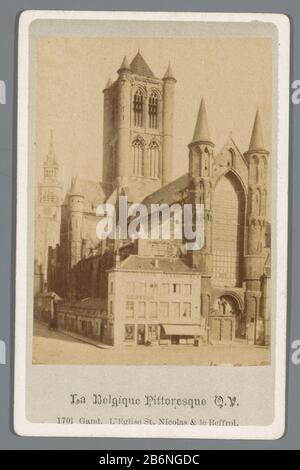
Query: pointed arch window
point(205, 162)
point(263, 169)
point(252, 170)
point(263, 202)
point(138, 104)
point(153, 160)
point(256, 202)
point(153, 110)
point(138, 167)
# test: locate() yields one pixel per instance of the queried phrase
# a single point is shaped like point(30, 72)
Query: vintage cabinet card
point(152, 224)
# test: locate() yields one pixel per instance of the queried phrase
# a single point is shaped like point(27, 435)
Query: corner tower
point(200, 170)
point(138, 129)
point(255, 257)
point(76, 201)
point(257, 157)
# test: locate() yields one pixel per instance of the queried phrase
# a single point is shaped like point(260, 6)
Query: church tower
point(138, 129)
point(257, 157)
point(200, 170)
point(47, 227)
point(50, 188)
point(76, 201)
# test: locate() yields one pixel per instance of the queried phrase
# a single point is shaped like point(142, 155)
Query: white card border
point(276, 429)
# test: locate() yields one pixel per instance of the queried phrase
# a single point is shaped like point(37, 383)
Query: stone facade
point(147, 296)
point(230, 275)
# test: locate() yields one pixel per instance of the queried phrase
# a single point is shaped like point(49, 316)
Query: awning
point(182, 330)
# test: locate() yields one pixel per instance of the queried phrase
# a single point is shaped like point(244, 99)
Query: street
point(55, 347)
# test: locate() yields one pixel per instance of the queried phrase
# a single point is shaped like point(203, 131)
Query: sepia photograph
point(190, 126)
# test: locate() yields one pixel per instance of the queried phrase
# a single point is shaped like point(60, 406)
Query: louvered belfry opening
point(138, 103)
point(153, 110)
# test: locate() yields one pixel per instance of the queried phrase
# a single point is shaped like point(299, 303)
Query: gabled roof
point(94, 193)
point(140, 67)
point(170, 193)
point(147, 263)
point(230, 143)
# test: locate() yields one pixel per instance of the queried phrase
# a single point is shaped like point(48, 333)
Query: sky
point(234, 75)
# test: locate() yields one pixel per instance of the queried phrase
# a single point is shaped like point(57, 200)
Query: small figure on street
point(53, 314)
point(203, 329)
point(55, 319)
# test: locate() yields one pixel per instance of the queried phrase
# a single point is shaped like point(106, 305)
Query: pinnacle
point(125, 64)
point(257, 140)
point(169, 73)
point(201, 132)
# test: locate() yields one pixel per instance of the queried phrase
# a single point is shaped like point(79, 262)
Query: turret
point(201, 147)
point(257, 157)
point(109, 114)
point(200, 169)
point(169, 82)
point(123, 122)
point(76, 201)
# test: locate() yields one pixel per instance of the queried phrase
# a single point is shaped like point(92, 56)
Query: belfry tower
point(138, 129)
point(47, 226)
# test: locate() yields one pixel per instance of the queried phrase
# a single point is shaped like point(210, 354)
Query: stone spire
point(201, 132)
point(75, 187)
point(257, 139)
point(169, 73)
point(140, 67)
point(108, 84)
point(125, 65)
point(51, 158)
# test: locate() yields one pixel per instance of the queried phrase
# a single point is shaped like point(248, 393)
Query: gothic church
point(233, 267)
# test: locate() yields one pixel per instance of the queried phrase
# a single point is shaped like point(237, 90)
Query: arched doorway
point(228, 231)
point(226, 320)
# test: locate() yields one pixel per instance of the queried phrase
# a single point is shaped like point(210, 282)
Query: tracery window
point(138, 157)
point(153, 110)
point(153, 160)
point(138, 104)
